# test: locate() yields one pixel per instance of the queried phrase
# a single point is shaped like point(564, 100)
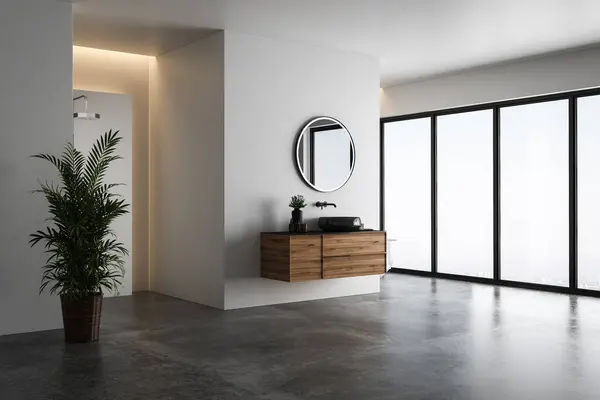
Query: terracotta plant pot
point(81, 318)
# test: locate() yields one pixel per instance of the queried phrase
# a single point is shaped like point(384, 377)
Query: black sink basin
point(340, 224)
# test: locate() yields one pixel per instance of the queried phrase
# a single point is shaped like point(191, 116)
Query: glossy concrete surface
point(418, 339)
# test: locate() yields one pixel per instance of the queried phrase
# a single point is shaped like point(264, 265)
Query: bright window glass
point(535, 193)
point(408, 192)
point(588, 189)
point(465, 188)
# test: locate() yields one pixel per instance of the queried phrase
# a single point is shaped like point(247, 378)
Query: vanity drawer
point(305, 270)
point(347, 266)
point(353, 244)
point(305, 248)
point(305, 258)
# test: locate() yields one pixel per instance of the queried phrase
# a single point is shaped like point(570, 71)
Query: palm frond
point(84, 255)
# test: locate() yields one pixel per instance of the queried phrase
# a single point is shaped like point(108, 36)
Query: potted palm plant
point(84, 256)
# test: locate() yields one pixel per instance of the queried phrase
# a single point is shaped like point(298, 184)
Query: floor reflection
point(419, 338)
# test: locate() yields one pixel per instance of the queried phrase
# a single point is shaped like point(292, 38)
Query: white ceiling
point(412, 38)
point(132, 37)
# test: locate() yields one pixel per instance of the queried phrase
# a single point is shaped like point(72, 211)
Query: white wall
point(35, 116)
point(556, 73)
point(114, 72)
point(271, 89)
point(187, 162)
point(115, 113)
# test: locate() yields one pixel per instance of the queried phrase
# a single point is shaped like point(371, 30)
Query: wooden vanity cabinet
point(296, 257)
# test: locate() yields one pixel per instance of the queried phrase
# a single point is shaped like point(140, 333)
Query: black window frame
point(572, 97)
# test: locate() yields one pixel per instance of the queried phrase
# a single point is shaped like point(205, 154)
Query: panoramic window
point(504, 192)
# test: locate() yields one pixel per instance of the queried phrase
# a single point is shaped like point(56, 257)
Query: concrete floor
point(418, 339)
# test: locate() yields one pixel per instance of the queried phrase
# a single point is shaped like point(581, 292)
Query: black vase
point(297, 216)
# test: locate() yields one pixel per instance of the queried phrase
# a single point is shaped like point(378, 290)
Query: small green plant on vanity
point(84, 255)
point(297, 202)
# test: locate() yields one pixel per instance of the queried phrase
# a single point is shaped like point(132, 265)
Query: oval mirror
point(325, 154)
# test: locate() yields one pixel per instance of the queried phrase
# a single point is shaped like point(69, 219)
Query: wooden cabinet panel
point(353, 244)
point(305, 248)
point(306, 270)
point(275, 257)
point(346, 266)
point(271, 269)
point(305, 254)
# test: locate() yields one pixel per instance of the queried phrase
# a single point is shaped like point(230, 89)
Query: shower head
point(84, 115)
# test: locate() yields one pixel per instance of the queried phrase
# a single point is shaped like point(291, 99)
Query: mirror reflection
point(325, 154)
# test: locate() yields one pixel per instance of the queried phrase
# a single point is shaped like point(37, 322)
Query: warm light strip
point(152, 66)
point(89, 51)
